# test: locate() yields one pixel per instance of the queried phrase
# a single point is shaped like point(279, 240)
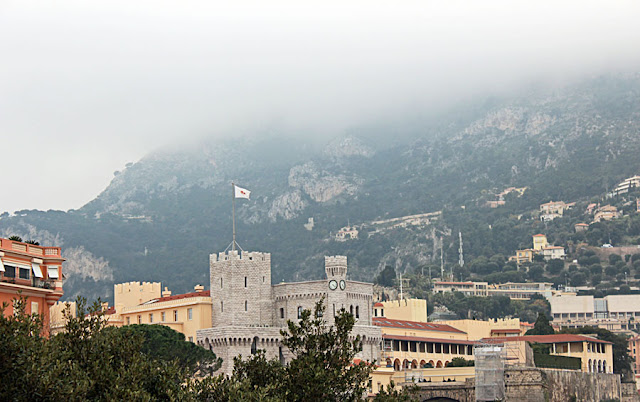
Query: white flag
point(241, 192)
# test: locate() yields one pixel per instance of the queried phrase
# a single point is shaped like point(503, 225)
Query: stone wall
point(541, 385)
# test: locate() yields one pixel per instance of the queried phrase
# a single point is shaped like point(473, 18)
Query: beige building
point(617, 313)
point(406, 309)
point(606, 213)
point(468, 288)
point(553, 207)
point(186, 313)
point(626, 185)
point(596, 355)
point(480, 329)
point(522, 290)
point(347, 233)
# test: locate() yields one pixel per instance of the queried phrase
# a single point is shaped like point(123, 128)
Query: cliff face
point(161, 217)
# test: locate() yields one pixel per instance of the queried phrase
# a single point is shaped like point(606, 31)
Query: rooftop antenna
point(461, 259)
point(441, 261)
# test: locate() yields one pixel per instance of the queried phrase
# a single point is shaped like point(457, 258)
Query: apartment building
point(33, 272)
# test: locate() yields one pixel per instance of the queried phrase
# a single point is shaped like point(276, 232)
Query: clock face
point(343, 284)
point(333, 285)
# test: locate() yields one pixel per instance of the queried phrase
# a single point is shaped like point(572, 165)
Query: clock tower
point(335, 268)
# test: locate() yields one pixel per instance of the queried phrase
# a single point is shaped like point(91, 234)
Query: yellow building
point(406, 309)
point(596, 355)
point(479, 329)
point(410, 345)
point(522, 256)
point(185, 313)
point(539, 242)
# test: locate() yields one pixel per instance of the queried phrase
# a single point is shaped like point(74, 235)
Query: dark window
point(245, 281)
point(281, 312)
point(254, 346)
point(351, 310)
point(9, 271)
point(300, 312)
point(245, 305)
point(357, 311)
point(24, 273)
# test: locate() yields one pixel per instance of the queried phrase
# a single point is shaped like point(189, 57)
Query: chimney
point(166, 292)
point(198, 288)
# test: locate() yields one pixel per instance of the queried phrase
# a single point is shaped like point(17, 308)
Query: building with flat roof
point(33, 272)
point(467, 288)
point(521, 290)
point(617, 313)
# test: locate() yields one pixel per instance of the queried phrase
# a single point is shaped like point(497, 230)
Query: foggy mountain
point(162, 216)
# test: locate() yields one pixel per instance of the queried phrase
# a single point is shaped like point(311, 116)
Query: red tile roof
point(537, 235)
point(428, 326)
point(424, 339)
point(378, 305)
point(556, 338)
point(204, 293)
point(110, 310)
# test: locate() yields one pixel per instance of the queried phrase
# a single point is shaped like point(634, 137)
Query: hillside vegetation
point(161, 217)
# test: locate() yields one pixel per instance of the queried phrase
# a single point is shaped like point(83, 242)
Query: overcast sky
point(87, 86)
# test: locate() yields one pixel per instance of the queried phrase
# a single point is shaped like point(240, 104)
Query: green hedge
point(559, 362)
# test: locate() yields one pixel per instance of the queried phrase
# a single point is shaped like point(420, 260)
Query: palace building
point(248, 312)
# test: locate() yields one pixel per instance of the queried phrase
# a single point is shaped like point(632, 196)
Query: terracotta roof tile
point(427, 326)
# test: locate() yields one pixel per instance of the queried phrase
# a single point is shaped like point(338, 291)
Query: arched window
point(254, 345)
point(351, 310)
point(300, 312)
point(357, 311)
point(281, 312)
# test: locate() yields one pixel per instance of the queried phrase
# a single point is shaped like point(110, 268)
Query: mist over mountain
point(162, 216)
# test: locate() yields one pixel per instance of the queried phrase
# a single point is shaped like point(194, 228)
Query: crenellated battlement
point(235, 255)
point(335, 265)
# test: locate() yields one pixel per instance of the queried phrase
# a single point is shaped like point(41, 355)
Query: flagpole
point(233, 215)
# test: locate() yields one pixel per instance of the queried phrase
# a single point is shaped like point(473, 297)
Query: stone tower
point(336, 269)
point(241, 289)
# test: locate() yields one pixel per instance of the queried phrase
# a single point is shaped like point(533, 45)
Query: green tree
point(322, 368)
point(386, 277)
point(15, 238)
point(541, 327)
point(163, 343)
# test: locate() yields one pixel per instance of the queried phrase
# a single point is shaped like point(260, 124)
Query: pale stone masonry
point(248, 312)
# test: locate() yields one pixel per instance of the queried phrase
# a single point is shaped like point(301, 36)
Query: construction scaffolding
point(489, 367)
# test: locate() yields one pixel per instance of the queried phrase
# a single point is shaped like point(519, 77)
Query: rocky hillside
point(161, 217)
